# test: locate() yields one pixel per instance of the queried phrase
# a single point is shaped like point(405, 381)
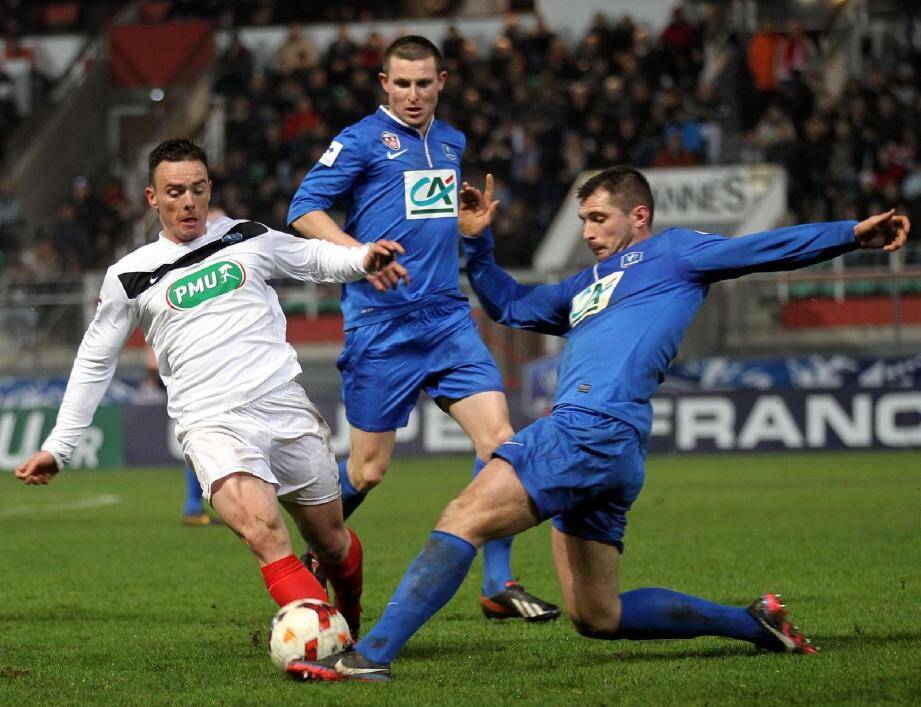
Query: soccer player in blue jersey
point(582, 465)
point(397, 172)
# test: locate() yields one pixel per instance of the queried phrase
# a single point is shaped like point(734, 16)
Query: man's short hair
point(627, 187)
point(412, 47)
point(174, 150)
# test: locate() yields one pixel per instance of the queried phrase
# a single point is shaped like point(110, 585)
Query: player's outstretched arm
point(319, 224)
point(38, 469)
point(540, 308)
point(710, 257)
point(381, 260)
point(477, 208)
point(887, 231)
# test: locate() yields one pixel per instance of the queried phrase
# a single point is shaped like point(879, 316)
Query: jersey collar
point(182, 246)
point(421, 133)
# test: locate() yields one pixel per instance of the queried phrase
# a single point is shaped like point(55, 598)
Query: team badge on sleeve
point(391, 141)
point(332, 152)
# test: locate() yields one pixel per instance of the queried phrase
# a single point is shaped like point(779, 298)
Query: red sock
point(346, 579)
point(287, 579)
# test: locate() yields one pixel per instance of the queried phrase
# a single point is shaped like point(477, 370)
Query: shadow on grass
point(834, 643)
point(668, 652)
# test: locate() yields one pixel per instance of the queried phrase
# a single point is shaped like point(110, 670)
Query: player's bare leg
point(248, 506)
point(369, 458)
point(338, 551)
point(365, 467)
point(495, 504)
point(588, 574)
point(484, 417)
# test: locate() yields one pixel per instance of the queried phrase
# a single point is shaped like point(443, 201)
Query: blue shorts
point(581, 468)
point(385, 365)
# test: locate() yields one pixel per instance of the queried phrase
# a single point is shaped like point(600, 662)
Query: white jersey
point(208, 313)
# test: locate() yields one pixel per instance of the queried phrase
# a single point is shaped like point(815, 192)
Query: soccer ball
point(307, 629)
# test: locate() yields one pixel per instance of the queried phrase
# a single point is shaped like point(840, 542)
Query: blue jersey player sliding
point(582, 465)
point(398, 174)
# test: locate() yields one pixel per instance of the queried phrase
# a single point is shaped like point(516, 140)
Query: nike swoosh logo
point(344, 669)
point(394, 155)
point(153, 280)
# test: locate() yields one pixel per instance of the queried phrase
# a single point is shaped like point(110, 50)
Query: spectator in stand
point(762, 62)
point(235, 67)
point(371, 52)
point(452, 44)
point(9, 114)
point(70, 237)
point(342, 48)
point(298, 53)
point(795, 53)
point(673, 153)
point(775, 134)
point(10, 211)
point(712, 115)
point(677, 44)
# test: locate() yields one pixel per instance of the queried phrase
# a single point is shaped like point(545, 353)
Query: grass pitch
point(105, 598)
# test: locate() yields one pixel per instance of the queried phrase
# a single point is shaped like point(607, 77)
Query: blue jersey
point(625, 316)
point(399, 184)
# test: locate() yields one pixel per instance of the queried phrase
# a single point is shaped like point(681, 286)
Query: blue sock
point(661, 613)
point(351, 497)
point(497, 561)
point(192, 494)
point(431, 580)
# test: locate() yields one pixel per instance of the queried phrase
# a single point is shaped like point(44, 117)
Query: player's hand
point(381, 263)
point(40, 468)
point(888, 231)
point(476, 208)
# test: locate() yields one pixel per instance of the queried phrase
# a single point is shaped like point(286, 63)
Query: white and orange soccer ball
point(307, 629)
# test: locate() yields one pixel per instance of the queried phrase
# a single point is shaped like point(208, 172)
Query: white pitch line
point(82, 504)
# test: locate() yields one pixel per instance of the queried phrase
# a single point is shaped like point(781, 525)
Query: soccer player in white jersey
point(200, 295)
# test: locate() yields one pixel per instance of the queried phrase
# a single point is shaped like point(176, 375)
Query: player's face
point(412, 88)
point(606, 228)
point(180, 193)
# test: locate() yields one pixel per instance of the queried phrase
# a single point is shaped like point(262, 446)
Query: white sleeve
point(316, 260)
point(97, 357)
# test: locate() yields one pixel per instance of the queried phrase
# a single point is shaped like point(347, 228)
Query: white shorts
point(280, 438)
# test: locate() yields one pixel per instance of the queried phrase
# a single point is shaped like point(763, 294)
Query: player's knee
point(333, 546)
point(264, 536)
point(491, 439)
point(365, 475)
point(594, 629)
point(463, 518)
point(594, 626)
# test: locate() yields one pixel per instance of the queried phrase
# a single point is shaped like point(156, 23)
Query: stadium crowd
point(538, 110)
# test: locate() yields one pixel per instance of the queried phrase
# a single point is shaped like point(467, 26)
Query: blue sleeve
point(708, 257)
point(333, 175)
point(540, 308)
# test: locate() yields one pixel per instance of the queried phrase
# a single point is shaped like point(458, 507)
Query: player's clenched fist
point(40, 468)
point(381, 263)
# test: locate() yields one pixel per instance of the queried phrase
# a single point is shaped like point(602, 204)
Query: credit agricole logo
point(430, 193)
point(210, 282)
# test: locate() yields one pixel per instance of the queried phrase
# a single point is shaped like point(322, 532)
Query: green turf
point(121, 605)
